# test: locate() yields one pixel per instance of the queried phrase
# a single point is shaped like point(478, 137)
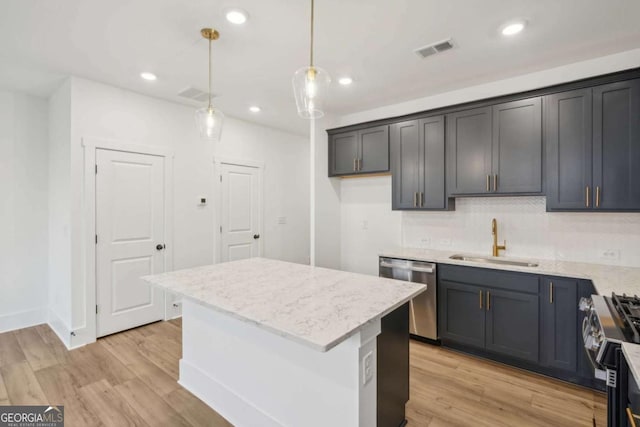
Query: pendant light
point(310, 85)
point(209, 119)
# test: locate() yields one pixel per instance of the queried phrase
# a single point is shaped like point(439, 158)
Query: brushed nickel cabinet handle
point(632, 417)
point(597, 196)
point(421, 199)
point(495, 182)
point(415, 200)
point(488, 183)
point(359, 164)
point(587, 202)
point(480, 300)
point(550, 292)
point(355, 165)
point(488, 300)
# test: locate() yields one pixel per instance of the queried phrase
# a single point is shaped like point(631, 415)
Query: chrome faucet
point(494, 231)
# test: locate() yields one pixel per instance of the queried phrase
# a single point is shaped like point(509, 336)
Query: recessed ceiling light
point(345, 81)
point(513, 28)
point(148, 76)
point(255, 109)
point(237, 16)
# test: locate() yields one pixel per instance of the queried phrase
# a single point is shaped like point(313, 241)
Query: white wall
point(530, 231)
point(104, 112)
point(23, 211)
point(60, 212)
point(327, 201)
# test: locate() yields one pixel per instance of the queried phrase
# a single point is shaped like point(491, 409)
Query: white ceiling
point(43, 41)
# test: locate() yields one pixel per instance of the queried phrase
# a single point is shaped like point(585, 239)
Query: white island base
point(253, 377)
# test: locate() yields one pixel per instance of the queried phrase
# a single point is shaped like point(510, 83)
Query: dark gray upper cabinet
point(469, 151)
point(343, 153)
point(517, 147)
point(406, 164)
point(616, 146)
point(512, 324)
point(496, 150)
point(568, 128)
point(433, 163)
point(374, 150)
point(359, 152)
point(558, 302)
point(593, 148)
point(418, 170)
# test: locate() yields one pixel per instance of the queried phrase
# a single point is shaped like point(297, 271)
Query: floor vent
point(434, 48)
point(194, 94)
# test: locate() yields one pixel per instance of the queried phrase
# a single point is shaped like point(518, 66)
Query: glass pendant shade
point(209, 121)
point(310, 87)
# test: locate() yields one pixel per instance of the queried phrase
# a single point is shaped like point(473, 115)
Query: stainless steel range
point(609, 322)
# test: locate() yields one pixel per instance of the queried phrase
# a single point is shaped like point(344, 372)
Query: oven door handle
point(585, 326)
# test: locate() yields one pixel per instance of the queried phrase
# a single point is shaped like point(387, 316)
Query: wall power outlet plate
point(367, 368)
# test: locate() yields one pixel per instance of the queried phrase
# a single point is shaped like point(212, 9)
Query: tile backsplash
point(530, 231)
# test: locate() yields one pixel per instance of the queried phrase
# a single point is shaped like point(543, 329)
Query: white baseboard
point(60, 328)
point(218, 397)
point(23, 319)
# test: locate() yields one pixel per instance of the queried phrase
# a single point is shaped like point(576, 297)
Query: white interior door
point(130, 239)
point(241, 212)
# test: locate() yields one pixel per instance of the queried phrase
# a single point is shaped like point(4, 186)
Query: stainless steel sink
point(484, 260)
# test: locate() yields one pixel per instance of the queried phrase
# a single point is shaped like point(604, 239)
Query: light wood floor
point(130, 379)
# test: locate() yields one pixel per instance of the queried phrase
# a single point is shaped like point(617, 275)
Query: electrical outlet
point(367, 368)
point(282, 220)
point(425, 241)
point(445, 242)
point(610, 255)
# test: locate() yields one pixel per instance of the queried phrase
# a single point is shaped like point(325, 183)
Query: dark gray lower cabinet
point(461, 313)
point(521, 319)
point(512, 324)
point(393, 367)
point(559, 299)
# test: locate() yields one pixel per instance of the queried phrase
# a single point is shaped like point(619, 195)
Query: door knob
point(160, 246)
point(256, 236)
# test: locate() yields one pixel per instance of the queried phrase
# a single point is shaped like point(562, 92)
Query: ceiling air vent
point(434, 48)
point(194, 94)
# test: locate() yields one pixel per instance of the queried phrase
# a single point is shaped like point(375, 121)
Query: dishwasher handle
point(407, 267)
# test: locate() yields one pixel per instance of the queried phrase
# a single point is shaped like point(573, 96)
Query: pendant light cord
point(209, 74)
point(311, 38)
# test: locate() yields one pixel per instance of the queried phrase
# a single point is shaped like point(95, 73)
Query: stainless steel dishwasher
point(423, 314)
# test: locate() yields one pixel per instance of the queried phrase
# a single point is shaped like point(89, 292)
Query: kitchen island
point(271, 343)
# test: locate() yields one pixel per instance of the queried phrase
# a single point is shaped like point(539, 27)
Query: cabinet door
point(343, 153)
point(517, 147)
point(374, 149)
point(433, 171)
point(405, 154)
point(559, 308)
point(512, 324)
point(616, 145)
point(461, 315)
point(569, 150)
point(469, 151)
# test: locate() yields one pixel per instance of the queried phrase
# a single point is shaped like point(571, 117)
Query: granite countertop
point(632, 355)
point(605, 278)
point(314, 306)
